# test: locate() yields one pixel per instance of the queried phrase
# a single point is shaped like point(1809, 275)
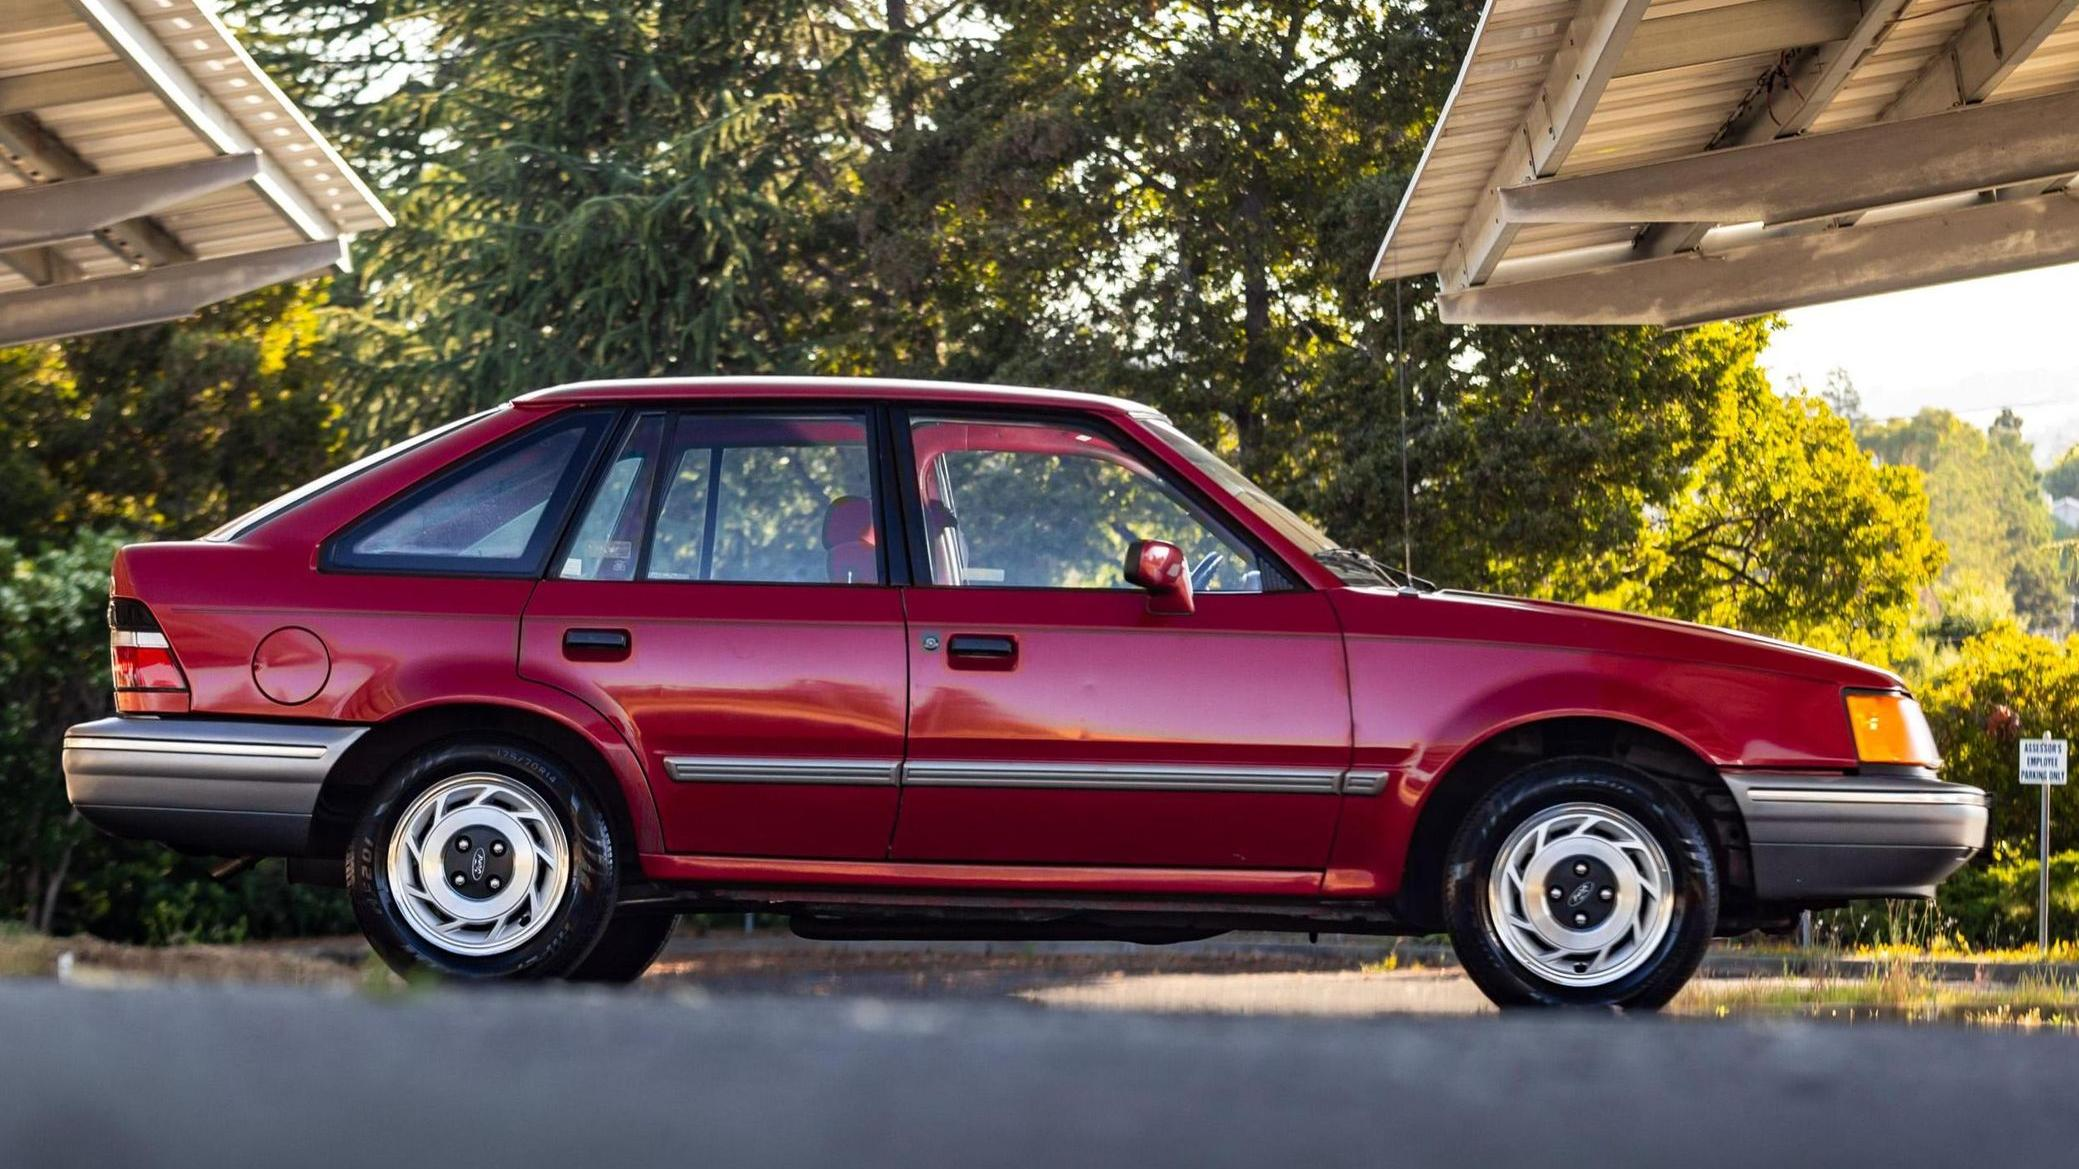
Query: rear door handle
point(983, 650)
point(596, 644)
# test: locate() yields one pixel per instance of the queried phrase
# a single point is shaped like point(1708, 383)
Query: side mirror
point(1159, 567)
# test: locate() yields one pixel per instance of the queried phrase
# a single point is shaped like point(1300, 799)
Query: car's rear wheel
point(482, 859)
point(1581, 882)
point(629, 947)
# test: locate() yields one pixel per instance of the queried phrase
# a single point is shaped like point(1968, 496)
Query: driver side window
point(1052, 505)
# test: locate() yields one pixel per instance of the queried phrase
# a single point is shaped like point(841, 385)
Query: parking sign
point(2043, 761)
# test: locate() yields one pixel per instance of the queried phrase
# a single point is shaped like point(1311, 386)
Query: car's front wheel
point(1581, 882)
point(482, 859)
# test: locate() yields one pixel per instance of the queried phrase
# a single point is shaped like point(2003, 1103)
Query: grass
point(1899, 991)
point(26, 954)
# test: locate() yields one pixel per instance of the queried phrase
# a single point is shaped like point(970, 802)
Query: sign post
point(2043, 764)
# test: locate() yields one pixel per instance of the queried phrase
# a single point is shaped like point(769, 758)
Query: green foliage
point(1992, 904)
point(1987, 504)
point(166, 430)
point(1785, 527)
point(2062, 479)
point(624, 189)
point(1532, 452)
point(2006, 684)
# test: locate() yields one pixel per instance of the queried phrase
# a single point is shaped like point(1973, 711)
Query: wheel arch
point(390, 742)
point(1489, 761)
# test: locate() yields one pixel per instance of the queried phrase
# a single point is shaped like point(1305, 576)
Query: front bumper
point(1830, 838)
point(203, 785)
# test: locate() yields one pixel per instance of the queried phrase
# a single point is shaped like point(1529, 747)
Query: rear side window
point(494, 515)
point(752, 498)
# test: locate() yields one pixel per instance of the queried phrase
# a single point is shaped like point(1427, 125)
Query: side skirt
point(861, 900)
point(1053, 879)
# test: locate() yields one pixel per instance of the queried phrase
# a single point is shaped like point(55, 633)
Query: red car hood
point(1485, 616)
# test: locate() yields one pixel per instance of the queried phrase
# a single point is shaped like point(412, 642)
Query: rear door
point(1054, 718)
point(723, 597)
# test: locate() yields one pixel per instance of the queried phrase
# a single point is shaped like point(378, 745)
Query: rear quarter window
point(495, 514)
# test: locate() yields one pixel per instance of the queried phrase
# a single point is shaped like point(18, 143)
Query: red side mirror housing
point(1159, 567)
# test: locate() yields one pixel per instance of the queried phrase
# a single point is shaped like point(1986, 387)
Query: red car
point(906, 659)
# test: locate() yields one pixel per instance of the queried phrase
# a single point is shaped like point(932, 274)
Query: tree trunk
point(1259, 357)
point(48, 911)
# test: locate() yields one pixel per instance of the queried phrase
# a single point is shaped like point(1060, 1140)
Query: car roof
point(904, 389)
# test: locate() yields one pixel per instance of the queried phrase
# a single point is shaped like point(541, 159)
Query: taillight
point(140, 658)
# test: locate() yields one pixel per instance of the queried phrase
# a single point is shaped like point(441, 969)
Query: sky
point(1970, 348)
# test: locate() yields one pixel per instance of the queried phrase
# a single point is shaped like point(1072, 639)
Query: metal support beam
point(125, 32)
point(1783, 104)
point(34, 216)
point(38, 156)
point(1986, 239)
point(25, 92)
point(1579, 73)
point(1993, 42)
point(1823, 174)
point(1734, 31)
point(41, 266)
point(159, 294)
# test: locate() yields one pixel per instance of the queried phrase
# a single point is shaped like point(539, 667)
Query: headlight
point(1889, 728)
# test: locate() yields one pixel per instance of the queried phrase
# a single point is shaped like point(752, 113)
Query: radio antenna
point(1400, 381)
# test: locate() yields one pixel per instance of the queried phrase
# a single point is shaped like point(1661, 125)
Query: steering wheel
point(1204, 569)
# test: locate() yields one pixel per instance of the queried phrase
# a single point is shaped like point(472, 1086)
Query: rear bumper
point(203, 785)
point(1830, 838)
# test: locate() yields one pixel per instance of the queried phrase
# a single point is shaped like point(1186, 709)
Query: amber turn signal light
point(1889, 728)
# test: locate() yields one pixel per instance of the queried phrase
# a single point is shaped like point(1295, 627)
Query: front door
point(723, 599)
point(1054, 719)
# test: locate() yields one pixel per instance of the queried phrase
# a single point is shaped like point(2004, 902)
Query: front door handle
point(982, 651)
point(596, 645)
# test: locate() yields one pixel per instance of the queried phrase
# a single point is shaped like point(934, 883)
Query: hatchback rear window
point(494, 515)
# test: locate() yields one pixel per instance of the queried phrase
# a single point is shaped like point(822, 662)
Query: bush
point(2006, 684)
point(1993, 904)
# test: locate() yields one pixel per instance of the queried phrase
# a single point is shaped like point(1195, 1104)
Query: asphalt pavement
point(246, 1076)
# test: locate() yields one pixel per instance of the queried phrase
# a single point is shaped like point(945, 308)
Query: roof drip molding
point(1865, 146)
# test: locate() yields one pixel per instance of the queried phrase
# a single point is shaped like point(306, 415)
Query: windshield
point(282, 503)
point(1255, 498)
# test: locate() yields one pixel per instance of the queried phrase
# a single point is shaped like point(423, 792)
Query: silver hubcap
point(478, 864)
point(1581, 894)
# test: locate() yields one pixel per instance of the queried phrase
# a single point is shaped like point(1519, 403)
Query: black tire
point(1474, 850)
point(631, 943)
point(576, 923)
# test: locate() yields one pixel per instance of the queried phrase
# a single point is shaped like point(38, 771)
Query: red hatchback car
point(905, 659)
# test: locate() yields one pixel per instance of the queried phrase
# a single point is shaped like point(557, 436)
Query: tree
point(615, 190)
point(1986, 503)
point(2062, 479)
point(1180, 203)
point(1786, 527)
point(169, 429)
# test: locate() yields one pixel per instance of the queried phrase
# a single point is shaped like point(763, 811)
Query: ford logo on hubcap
point(1580, 894)
point(477, 862)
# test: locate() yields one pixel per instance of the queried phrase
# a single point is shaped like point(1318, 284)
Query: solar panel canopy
point(1672, 162)
point(148, 168)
